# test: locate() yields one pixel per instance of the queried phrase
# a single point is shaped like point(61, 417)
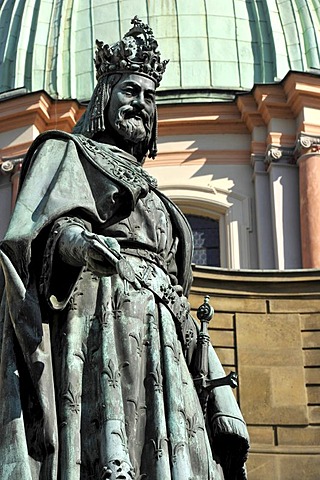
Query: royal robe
point(96, 372)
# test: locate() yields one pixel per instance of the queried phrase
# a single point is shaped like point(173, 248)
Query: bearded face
point(131, 108)
point(133, 125)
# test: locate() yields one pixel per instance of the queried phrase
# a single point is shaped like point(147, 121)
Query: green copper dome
point(214, 46)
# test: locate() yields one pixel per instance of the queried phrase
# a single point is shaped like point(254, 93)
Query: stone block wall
point(267, 327)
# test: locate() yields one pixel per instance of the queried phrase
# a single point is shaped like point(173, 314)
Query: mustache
point(134, 124)
point(127, 111)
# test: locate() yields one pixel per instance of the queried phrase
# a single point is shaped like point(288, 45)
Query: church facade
point(239, 146)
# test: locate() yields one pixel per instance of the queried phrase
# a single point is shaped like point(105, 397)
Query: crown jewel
point(137, 52)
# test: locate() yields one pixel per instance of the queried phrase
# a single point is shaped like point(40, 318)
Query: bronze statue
point(98, 347)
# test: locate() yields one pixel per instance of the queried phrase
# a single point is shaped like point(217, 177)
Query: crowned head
point(123, 103)
point(137, 52)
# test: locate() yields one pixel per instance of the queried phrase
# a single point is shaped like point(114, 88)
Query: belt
point(140, 271)
point(146, 255)
point(168, 295)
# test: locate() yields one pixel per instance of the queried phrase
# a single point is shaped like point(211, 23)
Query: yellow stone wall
point(267, 327)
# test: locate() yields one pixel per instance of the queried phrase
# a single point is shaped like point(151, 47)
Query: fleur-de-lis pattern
point(73, 399)
point(81, 353)
point(192, 424)
point(138, 339)
point(73, 302)
point(157, 444)
point(176, 448)
point(157, 378)
point(175, 351)
point(121, 374)
point(122, 437)
point(104, 316)
point(113, 373)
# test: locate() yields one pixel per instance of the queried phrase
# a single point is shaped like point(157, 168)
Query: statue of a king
point(97, 343)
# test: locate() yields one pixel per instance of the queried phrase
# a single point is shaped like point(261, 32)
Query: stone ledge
point(314, 414)
point(228, 304)
point(309, 322)
point(311, 339)
point(284, 464)
point(285, 449)
point(312, 358)
point(313, 393)
point(312, 375)
point(305, 436)
point(261, 435)
point(221, 338)
point(226, 356)
point(257, 283)
point(220, 322)
point(301, 305)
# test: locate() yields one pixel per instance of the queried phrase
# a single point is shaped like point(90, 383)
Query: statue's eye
point(128, 91)
point(149, 97)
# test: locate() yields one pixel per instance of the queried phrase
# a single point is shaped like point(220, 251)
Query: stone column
point(308, 159)
point(284, 192)
point(263, 213)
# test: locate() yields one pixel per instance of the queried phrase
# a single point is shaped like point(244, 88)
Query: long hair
point(93, 119)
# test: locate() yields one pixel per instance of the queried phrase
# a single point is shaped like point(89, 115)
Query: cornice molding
point(302, 90)
point(248, 108)
point(39, 109)
point(272, 102)
point(258, 283)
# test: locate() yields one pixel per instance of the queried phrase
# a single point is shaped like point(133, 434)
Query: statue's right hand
point(79, 248)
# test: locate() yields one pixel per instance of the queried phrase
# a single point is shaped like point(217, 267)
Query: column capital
point(9, 165)
point(278, 154)
point(307, 143)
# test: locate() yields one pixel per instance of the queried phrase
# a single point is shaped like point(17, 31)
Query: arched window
point(206, 240)
point(230, 211)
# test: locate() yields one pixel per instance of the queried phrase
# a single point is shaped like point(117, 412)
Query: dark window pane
point(206, 240)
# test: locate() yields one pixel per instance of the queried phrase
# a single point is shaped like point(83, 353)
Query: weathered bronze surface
point(98, 349)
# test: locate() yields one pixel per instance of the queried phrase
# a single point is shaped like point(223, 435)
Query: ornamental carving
point(278, 154)
point(8, 164)
point(136, 52)
point(307, 144)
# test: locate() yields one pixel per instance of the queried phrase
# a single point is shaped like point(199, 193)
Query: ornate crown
point(136, 52)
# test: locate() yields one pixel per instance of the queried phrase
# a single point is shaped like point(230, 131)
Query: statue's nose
point(139, 102)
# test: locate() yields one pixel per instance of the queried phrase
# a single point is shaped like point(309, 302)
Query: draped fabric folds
point(98, 385)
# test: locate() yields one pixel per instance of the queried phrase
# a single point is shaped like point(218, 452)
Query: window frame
point(231, 209)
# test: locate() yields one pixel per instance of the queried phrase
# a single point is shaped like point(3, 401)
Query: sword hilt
point(203, 384)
